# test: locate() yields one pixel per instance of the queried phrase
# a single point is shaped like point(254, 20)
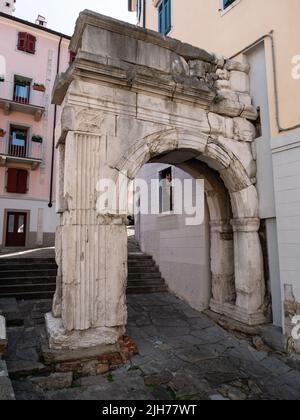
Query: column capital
point(245, 225)
point(220, 226)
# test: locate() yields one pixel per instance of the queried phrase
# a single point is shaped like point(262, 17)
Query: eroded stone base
point(92, 361)
point(239, 314)
point(59, 339)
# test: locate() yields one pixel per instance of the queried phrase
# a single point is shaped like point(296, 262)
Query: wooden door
point(16, 229)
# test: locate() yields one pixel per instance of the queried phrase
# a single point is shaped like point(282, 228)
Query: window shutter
point(22, 181)
point(22, 37)
point(31, 43)
point(17, 181)
point(11, 180)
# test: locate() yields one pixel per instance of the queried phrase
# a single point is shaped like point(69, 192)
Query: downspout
point(254, 44)
point(50, 205)
point(144, 14)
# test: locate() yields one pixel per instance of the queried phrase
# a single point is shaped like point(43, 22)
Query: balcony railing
point(21, 99)
point(31, 152)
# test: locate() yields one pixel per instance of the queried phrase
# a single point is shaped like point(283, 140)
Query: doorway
point(16, 229)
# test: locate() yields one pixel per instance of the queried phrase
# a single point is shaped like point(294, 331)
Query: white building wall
point(182, 252)
point(265, 179)
point(286, 160)
point(42, 219)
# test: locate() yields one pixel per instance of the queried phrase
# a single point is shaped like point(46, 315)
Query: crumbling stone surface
point(291, 311)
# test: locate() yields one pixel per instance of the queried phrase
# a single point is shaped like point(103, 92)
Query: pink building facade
point(30, 58)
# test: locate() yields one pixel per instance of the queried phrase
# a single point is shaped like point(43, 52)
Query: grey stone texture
point(183, 354)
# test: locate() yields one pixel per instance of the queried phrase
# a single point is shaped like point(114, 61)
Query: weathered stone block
point(199, 68)
point(228, 108)
point(220, 125)
point(232, 65)
point(243, 129)
point(239, 81)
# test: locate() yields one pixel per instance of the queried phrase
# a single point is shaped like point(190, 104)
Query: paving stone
point(232, 393)
point(218, 397)
point(9, 305)
point(23, 368)
point(3, 369)
point(162, 378)
point(183, 355)
point(6, 389)
point(54, 381)
point(276, 366)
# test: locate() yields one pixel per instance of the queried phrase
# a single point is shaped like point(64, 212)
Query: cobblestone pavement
point(183, 356)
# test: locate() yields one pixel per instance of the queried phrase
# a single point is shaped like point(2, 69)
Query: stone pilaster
point(222, 263)
point(90, 305)
point(249, 270)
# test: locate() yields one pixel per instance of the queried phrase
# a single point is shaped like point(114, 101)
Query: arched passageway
point(133, 97)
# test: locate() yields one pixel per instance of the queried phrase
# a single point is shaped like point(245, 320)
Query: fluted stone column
point(222, 264)
point(249, 271)
point(90, 309)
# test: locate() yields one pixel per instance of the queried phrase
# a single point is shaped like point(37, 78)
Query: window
point(139, 9)
point(26, 42)
point(164, 17)
point(18, 141)
point(165, 191)
point(17, 181)
point(22, 90)
point(72, 57)
point(227, 3)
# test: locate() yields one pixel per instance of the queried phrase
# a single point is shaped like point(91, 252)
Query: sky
point(61, 15)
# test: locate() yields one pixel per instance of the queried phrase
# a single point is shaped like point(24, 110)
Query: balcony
point(16, 98)
point(28, 152)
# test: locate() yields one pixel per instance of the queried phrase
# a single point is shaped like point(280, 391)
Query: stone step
point(24, 261)
point(142, 276)
point(27, 267)
point(28, 280)
point(20, 288)
point(142, 269)
point(139, 256)
point(150, 280)
point(22, 369)
point(145, 290)
point(29, 295)
point(30, 273)
point(149, 284)
point(141, 263)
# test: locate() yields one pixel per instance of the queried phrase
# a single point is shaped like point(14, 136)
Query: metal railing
point(25, 95)
point(30, 150)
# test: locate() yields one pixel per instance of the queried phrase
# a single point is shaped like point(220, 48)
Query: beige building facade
point(263, 34)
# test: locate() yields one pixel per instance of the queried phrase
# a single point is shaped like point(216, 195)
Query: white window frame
point(224, 11)
point(163, 213)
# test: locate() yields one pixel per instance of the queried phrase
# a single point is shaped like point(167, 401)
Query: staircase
point(143, 274)
point(35, 278)
point(27, 278)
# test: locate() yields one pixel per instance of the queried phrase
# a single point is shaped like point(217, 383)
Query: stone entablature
point(130, 97)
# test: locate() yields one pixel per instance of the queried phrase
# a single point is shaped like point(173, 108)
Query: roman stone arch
point(131, 97)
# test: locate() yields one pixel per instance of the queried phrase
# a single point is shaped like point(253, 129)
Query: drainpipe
point(50, 205)
point(144, 14)
point(254, 44)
